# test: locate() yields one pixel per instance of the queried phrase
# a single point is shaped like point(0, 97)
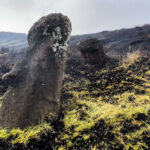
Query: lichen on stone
point(60, 49)
point(57, 33)
point(46, 31)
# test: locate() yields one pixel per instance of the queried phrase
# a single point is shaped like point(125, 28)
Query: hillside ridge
point(115, 42)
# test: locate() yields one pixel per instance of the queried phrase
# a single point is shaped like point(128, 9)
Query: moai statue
point(36, 81)
point(92, 52)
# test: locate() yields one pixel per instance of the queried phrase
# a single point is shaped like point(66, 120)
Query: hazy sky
point(87, 16)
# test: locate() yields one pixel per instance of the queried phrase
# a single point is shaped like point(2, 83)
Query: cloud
point(87, 16)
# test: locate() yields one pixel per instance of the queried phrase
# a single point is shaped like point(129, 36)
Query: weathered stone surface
point(92, 51)
point(36, 81)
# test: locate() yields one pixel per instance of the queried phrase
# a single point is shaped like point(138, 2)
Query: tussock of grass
point(23, 136)
point(132, 57)
point(148, 73)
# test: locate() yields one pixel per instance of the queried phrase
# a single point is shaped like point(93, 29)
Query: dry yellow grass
point(131, 57)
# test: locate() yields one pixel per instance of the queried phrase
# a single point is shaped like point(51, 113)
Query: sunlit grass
point(23, 136)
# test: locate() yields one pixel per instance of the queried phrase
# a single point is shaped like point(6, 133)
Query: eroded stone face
point(92, 52)
point(36, 81)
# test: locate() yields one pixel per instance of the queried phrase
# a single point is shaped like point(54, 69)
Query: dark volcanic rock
point(92, 51)
point(36, 81)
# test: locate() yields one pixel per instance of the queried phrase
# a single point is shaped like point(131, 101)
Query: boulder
point(35, 82)
point(92, 52)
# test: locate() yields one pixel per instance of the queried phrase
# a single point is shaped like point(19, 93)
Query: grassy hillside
point(105, 108)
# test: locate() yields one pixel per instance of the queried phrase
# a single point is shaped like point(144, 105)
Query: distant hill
point(13, 40)
point(119, 41)
point(115, 42)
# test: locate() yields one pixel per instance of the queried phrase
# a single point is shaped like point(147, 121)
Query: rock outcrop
point(36, 81)
point(92, 52)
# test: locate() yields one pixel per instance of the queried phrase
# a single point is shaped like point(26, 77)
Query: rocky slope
point(105, 108)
